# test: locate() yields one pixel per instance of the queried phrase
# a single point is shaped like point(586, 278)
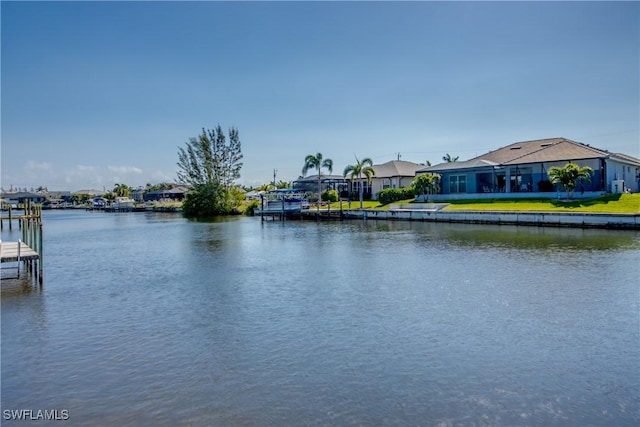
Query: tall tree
point(569, 176)
point(210, 164)
point(210, 159)
point(364, 167)
point(317, 162)
point(447, 158)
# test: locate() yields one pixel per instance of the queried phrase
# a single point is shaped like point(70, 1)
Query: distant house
point(176, 193)
point(327, 182)
point(21, 197)
point(138, 194)
point(91, 193)
point(522, 167)
point(393, 174)
point(60, 196)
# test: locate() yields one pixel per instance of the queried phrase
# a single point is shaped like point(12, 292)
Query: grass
point(610, 203)
point(367, 204)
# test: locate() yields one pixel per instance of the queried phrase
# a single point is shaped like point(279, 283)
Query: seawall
point(545, 219)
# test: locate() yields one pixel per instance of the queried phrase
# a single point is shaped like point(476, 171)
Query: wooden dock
point(17, 251)
point(27, 252)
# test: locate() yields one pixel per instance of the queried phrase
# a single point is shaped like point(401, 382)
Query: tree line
point(211, 163)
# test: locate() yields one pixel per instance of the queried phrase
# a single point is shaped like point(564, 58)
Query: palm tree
point(283, 184)
point(317, 162)
point(265, 187)
point(447, 158)
point(569, 175)
point(364, 167)
point(121, 190)
point(426, 183)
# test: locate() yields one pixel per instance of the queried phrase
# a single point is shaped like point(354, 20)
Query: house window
point(458, 184)
point(366, 187)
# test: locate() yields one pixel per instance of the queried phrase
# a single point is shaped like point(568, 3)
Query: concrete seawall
point(546, 219)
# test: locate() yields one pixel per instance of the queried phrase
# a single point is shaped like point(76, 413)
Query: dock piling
point(29, 249)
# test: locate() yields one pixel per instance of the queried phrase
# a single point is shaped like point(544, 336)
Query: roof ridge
point(559, 140)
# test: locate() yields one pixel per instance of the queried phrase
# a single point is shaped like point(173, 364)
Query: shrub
point(252, 206)
point(207, 200)
point(330, 196)
point(390, 195)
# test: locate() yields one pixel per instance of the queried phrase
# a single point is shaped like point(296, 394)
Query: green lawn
point(367, 204)
point(610, 203)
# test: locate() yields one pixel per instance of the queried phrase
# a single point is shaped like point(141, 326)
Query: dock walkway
point(17, 251)
point(28, 250)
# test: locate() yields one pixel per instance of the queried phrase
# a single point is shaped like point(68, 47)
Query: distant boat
point(122, 204)
point(282, 201)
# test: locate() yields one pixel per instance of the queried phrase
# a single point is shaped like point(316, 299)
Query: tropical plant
point(364, 167)
point(159, 187)
point(210, 164)
point(569, 175)
point(265, 187)
point(426, 183)
point(80, 198)
point(121, 190)
point(447, 158)
point(283, 184)
point(317, 162)
point(330, 196)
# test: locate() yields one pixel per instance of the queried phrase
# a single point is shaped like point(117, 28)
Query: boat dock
point(26, 253)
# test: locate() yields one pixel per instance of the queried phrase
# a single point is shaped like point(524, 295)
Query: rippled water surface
point(148, 319)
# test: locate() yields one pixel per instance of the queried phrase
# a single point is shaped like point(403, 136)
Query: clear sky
point(99, 93)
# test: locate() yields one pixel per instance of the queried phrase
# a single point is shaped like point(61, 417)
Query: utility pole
point(399, 155)
point(275, 171)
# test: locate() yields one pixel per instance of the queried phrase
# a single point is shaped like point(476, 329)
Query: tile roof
point(396, 168)
point(543, 150)
point(469, 164)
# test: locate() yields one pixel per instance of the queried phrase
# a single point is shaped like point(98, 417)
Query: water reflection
point(159, 321)
point(13, 287)
point(517, 237)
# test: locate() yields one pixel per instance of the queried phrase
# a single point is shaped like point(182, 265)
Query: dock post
point(19, 244)
point(41, 252)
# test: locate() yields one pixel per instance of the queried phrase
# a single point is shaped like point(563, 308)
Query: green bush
point(330, 196)
point(208, 200)
point(251, 207)
point(390, 195)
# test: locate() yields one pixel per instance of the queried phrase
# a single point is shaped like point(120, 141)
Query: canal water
point(152, 319)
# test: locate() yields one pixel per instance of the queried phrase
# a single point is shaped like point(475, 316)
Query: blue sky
point(98, 93)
